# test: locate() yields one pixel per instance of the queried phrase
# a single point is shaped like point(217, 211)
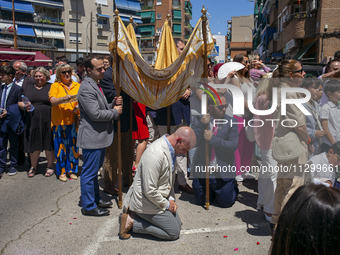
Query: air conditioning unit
point(276, 36)
point(100, 26)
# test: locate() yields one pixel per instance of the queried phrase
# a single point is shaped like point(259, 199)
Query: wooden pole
point(168, 109)
point(120, 201)
point(91, 34)
point(14, 30)
point(131, 144)
point(207, 159)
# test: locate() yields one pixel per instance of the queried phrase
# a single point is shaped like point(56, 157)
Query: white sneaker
point(239, 178)
point(248, 176)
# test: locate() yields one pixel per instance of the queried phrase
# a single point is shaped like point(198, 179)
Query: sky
point(220, 11)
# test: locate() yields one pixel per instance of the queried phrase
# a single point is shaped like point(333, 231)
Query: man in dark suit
point(21, 77)
point(111, 153)
point(23, 80)
point(222, 140)
point(10, 95)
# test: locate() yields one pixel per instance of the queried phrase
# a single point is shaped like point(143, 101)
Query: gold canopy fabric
point(163, 86)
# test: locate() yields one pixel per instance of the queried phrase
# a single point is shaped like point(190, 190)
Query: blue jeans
point(93, 160)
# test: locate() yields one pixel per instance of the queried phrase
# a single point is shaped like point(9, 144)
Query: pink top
point(255, 74)
point(263, 135)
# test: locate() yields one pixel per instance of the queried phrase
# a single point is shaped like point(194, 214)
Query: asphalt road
point(43, 216)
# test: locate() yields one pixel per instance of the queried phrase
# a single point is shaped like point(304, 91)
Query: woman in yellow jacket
point(63, 118)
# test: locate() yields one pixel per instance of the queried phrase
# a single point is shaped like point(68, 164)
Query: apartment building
point(308, 30)
point(240, 35)
point(153, 14)
point(39, 24)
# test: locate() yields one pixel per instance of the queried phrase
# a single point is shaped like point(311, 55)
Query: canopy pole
point(168, 109)
point(118, 89)
point(131, 142)
point(205, 57)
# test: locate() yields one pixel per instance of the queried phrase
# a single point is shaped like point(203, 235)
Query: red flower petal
point(225, 236)
point(74, 218)
point(236, 249)
point(70, 223)
point(257, 243)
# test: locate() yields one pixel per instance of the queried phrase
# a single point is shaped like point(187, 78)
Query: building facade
point(153, 14)
point(241, 34)
point(308, 30)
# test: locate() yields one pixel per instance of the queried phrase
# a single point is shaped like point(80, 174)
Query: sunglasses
point(246, 62)
point(221, 107)
point(65, 72)
point(299, 71)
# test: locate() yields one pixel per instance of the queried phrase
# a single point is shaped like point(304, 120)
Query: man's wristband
point(309, 140)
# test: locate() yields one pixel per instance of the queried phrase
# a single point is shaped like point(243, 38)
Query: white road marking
point(200, 230)
point(100, 236)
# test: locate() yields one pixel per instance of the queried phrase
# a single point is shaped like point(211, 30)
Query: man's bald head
point(183, 140)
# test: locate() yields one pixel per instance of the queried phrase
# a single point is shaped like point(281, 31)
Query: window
point(159, 30)
point(159, 2)
point(159, 16)
point(102, 40)
point(72, 16)
point(102, 2)
point(149, 58)
point(73, 38)
point(102, 21)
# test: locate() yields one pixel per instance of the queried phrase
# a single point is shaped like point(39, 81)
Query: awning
point(103, 16)
point(40, 60)
point(51, 34)
point(177, 14)
point(25, 30)
point(303, 51)
point(137, 21)
point(9, 54)
point(128, 5)
point(144, 29)
point(19, 6)
point(177, 28)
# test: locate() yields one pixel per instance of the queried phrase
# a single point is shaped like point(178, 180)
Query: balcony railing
point(176, 6)
point(149, 7)
point(187, 24)
point(298, 15)
point(188, 11)
point(187, 37)
point(50, 21)
point(147, 49)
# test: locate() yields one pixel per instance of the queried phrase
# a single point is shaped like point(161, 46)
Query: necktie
point(100, 88)
point(3, 100)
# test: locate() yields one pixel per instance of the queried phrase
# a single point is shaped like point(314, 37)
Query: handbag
point(286, 148)
point(76, 116)
point(250, 133)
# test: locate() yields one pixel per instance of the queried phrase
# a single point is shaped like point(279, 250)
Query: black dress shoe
point(104, 204)
point(96, 212)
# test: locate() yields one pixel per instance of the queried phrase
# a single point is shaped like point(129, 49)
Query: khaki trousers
point(111, 161)
point(287, 183)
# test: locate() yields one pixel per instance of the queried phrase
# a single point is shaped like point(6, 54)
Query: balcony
point(177, 21)
point(188, 26)
point(299, 26)
point(49, 20)
point(188, 13)
point(148, 8)
point(186, 37)
point(177, 35)
point(148, 17)
point(144, 49)
point(177, 6)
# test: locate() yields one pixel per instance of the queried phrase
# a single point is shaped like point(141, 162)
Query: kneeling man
point(222, 140)
point(151, 198)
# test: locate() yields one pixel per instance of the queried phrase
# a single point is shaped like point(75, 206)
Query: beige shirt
point(292, 113)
